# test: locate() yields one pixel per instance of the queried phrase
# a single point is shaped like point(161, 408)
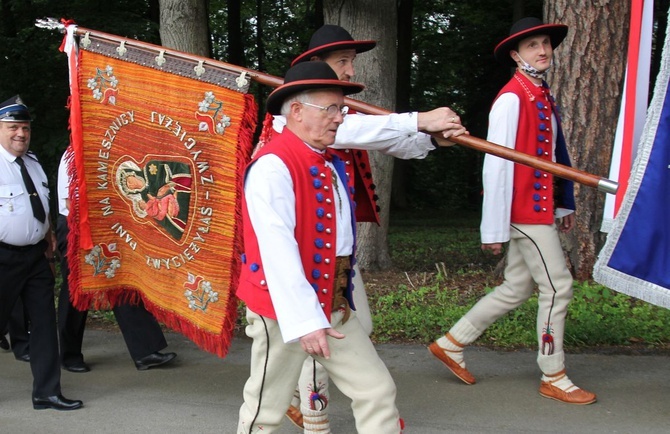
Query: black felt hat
point(308, 76)
point(330, 37)
point(14, 110)
point(524, 28)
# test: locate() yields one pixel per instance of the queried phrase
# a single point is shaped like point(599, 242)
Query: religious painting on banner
point(160, 144)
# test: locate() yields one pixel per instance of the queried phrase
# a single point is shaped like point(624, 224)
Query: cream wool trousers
point(534, 256)
point(354, 367)
point(312, 371)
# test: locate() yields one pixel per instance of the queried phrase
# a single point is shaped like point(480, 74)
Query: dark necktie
point(35, 202)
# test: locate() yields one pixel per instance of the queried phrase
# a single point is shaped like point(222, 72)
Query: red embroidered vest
point(315, 227)
point(533, 192)
point(360, 182)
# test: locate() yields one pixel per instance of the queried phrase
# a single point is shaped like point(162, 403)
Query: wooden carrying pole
point(565, 172)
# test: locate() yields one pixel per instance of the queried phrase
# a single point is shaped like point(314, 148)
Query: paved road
point(201, 393)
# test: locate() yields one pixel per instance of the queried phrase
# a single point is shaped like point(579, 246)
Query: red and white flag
point(633, 105)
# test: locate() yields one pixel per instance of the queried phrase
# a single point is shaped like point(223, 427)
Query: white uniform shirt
point(394, 134)
point(498, 173)
point(268, 190)
point(18, 226)
point(63, 188)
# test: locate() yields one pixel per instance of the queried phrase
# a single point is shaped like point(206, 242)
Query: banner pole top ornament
point(239, 78)
point(51, 24)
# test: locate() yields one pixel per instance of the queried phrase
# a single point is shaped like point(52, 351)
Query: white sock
point(561, 381)
point(462, 332)
point(315, 422)
point(452, 350)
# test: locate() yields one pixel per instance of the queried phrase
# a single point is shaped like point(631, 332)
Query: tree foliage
point(32, 65)
point(448, 62)
point(453, 65)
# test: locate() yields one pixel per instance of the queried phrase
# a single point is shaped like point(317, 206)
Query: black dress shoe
point(23, 358)
point(57, 402)
point(153, 360)
point(77, 367)
point(3, 343)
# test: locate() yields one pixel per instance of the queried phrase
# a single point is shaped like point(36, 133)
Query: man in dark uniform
point(17, 328)
point(26, 252)
point(141, 332)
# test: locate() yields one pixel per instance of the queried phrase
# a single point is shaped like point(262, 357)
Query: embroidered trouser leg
point(547, 264)
point(358, 372)
point(313, 373)
point(354, 367)
point(313, 379)
point(534, 256)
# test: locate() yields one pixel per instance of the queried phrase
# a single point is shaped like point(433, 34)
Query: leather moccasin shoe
point(153, 360)
point(3, 342)
point(454, 367)
point(23, 358)
point(295, 416)
point(577, 396)
point(77, 367)
point(57, 402)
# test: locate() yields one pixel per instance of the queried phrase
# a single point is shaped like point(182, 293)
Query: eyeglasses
point(332, 110)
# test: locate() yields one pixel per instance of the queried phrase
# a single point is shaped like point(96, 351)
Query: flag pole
point(565, 172)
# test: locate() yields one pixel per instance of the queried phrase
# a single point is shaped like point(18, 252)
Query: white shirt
point(18, 226)
point(393, 134)
point(268, 190)
point(63, 188)
point(498, 173)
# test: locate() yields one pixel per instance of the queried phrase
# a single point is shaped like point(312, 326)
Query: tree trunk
point(372, 19)
point(184, 26)
point(518, 10)
point(587, 79)
point(318, 13)
point(404, 71)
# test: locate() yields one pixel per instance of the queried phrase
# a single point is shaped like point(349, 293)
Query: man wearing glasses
point(396, 134)
point(298, 222)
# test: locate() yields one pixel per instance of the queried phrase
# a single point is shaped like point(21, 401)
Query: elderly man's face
point(318, 126)
point(15, 137)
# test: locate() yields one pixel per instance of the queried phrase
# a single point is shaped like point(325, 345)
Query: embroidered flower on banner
point(199, 292)
point(104, 258)
point(104, 86)
point(210, 115)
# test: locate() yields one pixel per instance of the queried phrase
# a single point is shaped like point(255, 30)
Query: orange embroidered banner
point(159, 150)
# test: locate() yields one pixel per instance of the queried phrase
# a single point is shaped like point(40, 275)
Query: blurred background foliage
point(451, 64)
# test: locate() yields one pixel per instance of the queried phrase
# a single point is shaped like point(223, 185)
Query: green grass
point(420, 240)
point(421, 301)
point(427, 303)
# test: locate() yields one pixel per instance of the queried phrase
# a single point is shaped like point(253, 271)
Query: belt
point(340, 283)
point(17, 248)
